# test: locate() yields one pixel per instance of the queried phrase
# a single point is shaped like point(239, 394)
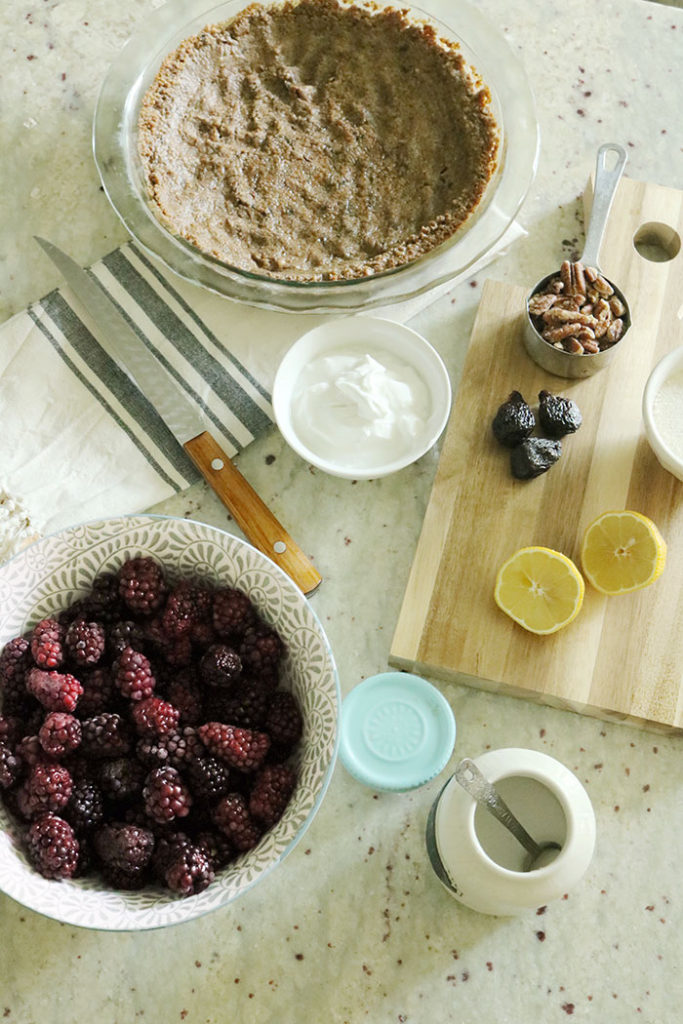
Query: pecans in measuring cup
point(578, 310)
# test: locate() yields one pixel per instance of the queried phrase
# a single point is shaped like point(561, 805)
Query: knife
point(253, 516)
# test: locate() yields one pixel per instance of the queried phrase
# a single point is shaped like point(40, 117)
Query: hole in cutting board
point(657, 242)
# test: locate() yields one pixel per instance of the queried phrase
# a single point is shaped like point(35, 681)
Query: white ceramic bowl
point(342, 455)
point(481, 864)
point(54, 571)
point(660, 404)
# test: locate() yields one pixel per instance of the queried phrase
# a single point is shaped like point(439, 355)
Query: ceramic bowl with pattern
point(53, 572)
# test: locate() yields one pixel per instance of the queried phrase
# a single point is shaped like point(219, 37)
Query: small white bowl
point(654, 411)
point(344, 451)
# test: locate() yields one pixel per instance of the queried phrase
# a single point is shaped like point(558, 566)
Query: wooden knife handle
point(251, 514)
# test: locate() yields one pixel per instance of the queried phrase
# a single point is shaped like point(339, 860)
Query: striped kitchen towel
point(79, 441)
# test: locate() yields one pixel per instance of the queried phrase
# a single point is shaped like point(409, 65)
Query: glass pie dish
point(116, 157)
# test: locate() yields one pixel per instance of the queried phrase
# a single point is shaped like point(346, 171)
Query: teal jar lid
point(397, 731)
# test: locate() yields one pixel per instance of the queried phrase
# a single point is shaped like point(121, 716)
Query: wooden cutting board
point(622, 657)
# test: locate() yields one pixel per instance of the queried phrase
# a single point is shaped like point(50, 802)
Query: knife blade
point(250, 512)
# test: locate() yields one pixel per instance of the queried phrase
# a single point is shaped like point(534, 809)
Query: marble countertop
point(355, 927)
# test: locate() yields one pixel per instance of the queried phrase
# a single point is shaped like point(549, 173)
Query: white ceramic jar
point(478, 860)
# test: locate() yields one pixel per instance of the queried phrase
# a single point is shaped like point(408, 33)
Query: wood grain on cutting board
point(623, 656)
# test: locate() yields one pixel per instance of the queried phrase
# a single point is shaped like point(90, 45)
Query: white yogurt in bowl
point(361, 397)
point(374, 406)
point(663, 411)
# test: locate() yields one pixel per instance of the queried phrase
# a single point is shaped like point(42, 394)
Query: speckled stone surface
point(355, 927)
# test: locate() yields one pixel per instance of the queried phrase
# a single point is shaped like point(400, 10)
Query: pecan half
point(540, 303)
point(602, 310)
point(615, 331)
point(603, 287)
point(553, 334)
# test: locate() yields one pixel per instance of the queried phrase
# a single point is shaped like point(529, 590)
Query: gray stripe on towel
point(231, 445)
point(120, 385)
point(230, 392)
point(166, 284)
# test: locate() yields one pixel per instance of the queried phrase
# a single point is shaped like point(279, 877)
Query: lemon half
point(540, 589)
point(621, 552)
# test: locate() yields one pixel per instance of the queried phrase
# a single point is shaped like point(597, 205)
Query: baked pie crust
point(317, 140)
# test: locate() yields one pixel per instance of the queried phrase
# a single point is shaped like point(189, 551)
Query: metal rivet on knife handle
point(250, 513)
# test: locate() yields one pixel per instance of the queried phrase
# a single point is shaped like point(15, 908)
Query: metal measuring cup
point(555, 359)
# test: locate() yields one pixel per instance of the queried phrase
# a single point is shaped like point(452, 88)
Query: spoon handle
point(606, 181)
point(472, 780)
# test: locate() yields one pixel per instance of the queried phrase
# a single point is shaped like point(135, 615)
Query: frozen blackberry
point(178, 652)
point(85, 642)
point(85, 856)
point(10, 766)
point(48, 788)
point(133, 674)
point(125, 633)
point(47, 644)
point(124, 847)
point(247, 706)
point(15, 659)
point(244, 749)
point(85, 809)
point(284, 722)
point(105, 735)
point(154, 717)
point(11, 729)
point(176, 749)
point(52, 847)
point(124, 881)
point(209, 778)
point(166, 848)
point(121, 778)
point(82, 768)
point(60, 734)
point(153, 752)
point(261, 650)
point(103, 603)
point(184, 693)
point(270, 794)
point(99, 692)
point(16, 699)
point(17, 801)
point(233, 613)
point(216, 846)
point(165, 795)
point(174, 651)
point(220, 666)
point(202, 635)
point(187, 605)
point(56, 691)
point(189, 872)
point(29, 750)
point(232, 817)
point(142, 585)
point(33, 718)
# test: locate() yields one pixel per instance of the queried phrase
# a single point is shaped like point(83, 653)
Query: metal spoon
point(556, 360)
point(485, 793)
